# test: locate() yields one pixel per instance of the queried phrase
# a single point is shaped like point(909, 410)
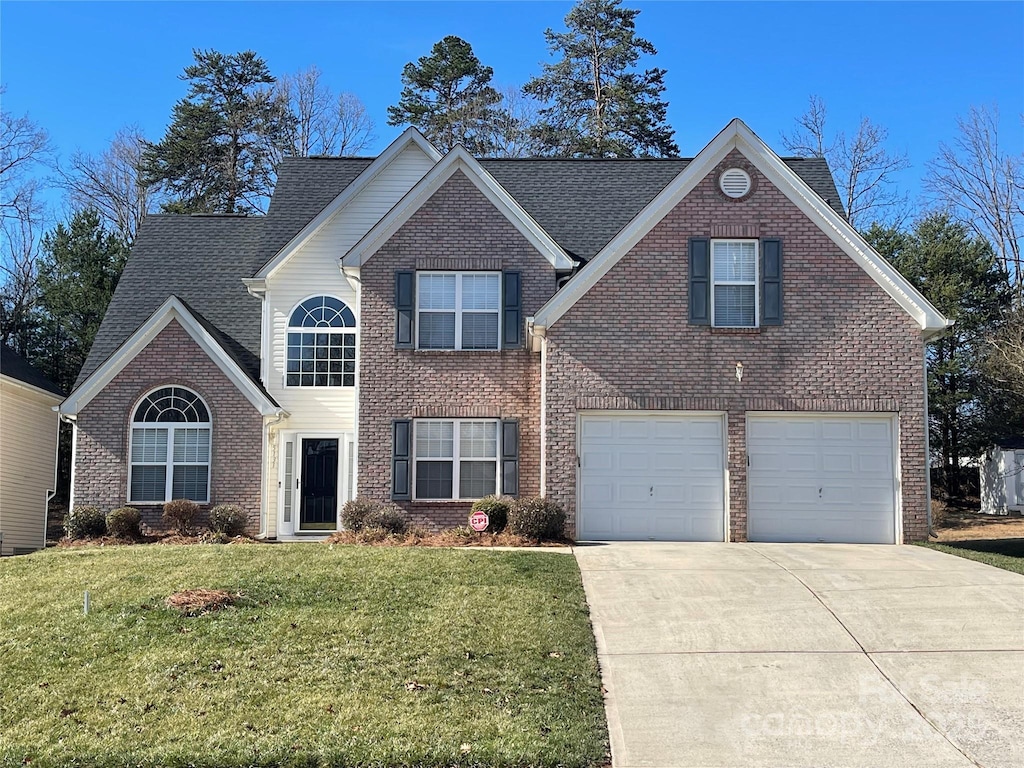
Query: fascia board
point(410, 136)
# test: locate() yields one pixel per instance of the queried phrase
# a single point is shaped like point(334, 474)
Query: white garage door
point(821, 478)
point(652, 476)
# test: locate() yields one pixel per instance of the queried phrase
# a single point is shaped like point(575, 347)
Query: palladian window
point(170, 448)
point(321, 344)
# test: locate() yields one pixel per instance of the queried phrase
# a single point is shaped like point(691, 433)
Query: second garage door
point(815, 477)
point(652, 476)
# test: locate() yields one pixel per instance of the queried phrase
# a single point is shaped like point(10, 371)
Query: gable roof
point(737, 136)
point(14, 366)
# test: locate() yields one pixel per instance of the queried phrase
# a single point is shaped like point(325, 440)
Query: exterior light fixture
point(739, 371)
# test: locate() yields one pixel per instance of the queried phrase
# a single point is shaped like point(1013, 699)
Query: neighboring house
point(1002, 478)
point(28, 452)
point(681, 349)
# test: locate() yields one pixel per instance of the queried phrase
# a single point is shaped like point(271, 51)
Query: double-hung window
point(458, 310)
point(734, 296)
point(455, 459)
point(170, 448)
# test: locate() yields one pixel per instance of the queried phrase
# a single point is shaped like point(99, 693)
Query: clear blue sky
point(82, 70)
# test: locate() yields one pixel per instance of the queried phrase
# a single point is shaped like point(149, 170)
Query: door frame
point(346, 460)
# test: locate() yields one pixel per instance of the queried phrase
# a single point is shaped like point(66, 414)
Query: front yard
point(990, 539)
point(331, 656)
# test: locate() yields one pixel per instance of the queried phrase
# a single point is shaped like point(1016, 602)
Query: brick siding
point(172, 358)
point(845, 345)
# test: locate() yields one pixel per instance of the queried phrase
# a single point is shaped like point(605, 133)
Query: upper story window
point(458, 310)
point(170, 448)
point(321, 344)
point(734, 283)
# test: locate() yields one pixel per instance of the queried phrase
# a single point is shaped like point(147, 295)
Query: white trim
point(291, 531)
point(756, 283)
point(409, 137)
point(457, 160)
point(736, 135)
point(455, 458)
point(171, 310)
point(459, 310)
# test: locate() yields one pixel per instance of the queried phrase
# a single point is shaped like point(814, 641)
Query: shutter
point(512, 310)
point(700, 281)
point(771, 282)
point(510, 458)
point(401, 459)
point(405, 309)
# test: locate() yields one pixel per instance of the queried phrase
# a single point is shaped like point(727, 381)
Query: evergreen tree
point(448, 96)
point(219, 153)
point(598, 103)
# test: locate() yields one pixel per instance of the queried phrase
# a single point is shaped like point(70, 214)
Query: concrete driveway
point(806, 655)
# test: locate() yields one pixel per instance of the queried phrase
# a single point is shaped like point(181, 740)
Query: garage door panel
point(634, 461)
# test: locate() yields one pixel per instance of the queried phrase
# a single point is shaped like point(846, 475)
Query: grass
point(1007, 554)
point(333, 656)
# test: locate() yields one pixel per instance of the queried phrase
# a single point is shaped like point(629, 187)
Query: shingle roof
point(17, 367)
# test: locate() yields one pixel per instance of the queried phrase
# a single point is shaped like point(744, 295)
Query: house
point(695, 349)
point(28, 452)
point(1002, 478)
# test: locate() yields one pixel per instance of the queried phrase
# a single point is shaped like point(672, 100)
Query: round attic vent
point(735, 182)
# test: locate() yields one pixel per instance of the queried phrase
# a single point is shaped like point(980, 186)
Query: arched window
point(170, 448)
point(321, 344)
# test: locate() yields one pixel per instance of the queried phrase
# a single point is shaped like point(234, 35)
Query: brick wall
point(172, 358)
point(845, 345)
point(457, 228)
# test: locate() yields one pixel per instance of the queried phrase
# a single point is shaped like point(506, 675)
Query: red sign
point(479, 521)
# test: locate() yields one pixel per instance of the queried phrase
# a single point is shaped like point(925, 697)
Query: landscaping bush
point(536, 518)
point(85, 522)
point(355, 512)
point(124, 523)
point(181, 515)
point(496, 508)
point(228, 520)
point(387, 517)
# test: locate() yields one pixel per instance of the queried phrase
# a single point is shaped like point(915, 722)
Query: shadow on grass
point(1006, 547)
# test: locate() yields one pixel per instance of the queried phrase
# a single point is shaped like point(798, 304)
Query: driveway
point(806, 655)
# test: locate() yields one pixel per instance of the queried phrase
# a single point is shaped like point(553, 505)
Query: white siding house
point(1002, 478)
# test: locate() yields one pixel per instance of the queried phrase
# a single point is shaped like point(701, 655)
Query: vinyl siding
point(28, 438)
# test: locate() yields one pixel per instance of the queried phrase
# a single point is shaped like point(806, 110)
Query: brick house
point(693, 349)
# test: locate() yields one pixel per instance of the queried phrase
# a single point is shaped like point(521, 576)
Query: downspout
point(267, 426)
point(927, 451)
point(73, 421)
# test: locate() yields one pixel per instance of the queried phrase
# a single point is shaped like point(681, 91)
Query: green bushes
point(496, 508)
point(536, 518)
point(85, 522)
point(124, 523)
point(227, 519)
point(365, 514)
point(181, 514)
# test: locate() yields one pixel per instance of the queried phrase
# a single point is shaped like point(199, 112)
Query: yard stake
point(85, 605)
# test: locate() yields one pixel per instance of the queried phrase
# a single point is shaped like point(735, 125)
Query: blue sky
point(82, 70)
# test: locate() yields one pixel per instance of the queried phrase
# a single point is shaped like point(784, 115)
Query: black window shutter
point(700, 281)
point(771, 282)
point(510, 458)
point(401, 459)
point(405, 309)
point(512, 308)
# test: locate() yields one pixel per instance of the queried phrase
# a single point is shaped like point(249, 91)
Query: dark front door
point(319, 510)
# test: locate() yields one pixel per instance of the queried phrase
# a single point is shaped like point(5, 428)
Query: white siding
point(28, 439)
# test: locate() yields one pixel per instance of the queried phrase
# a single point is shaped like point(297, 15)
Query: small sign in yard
point(479, 521)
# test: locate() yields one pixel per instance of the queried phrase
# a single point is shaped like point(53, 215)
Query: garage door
point(646, 476)
point(821, 478)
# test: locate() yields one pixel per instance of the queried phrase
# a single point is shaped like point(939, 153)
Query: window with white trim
point(455, 459)
point(458, 310)
point(321, 344)
point(734, 283)
point(170, 448)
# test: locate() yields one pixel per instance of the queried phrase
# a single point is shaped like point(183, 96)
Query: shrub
point(84, 522)
point(387, 517)
point(228, 520)
point(181, 514)
point(124, 523)
point(536, 518)
point(497, 509)
point(355, 512)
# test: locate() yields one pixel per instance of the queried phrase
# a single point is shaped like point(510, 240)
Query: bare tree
point(325, 123)
point(983, 187)
point(511, 122)
point(19, 274)
point(864, 168)
point(110, 182)
point(1005, 362)
point(24, 149)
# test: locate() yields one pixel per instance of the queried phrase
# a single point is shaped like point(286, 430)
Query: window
point(321, 344)
point(170, 448)
point(455, 459)
point(458, 310)
point(734, 280)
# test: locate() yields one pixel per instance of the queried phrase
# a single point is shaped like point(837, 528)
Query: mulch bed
point(458, 537)
point(195, 602)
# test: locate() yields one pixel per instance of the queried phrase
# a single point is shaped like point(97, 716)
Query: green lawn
point(1007, 554)
point(346, 656)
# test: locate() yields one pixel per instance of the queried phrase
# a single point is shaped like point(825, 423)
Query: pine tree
point(598, 103)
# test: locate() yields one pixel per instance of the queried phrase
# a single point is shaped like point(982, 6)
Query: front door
point(319, 507)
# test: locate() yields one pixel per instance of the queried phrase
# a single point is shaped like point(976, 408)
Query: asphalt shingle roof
point(17, 367)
